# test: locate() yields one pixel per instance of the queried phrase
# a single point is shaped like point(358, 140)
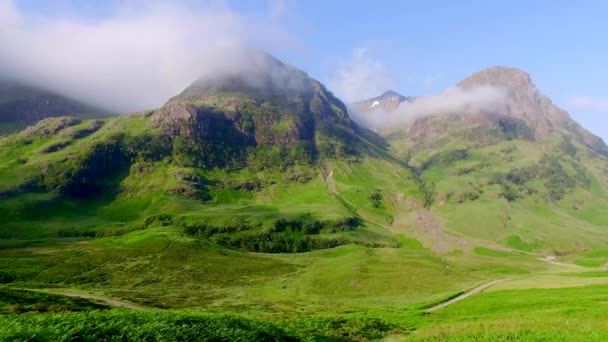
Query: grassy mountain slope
point(526, 176)
point(252, 207)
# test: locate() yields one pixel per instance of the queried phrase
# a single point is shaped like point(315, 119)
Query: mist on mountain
point(134, 59)
point(481, 98)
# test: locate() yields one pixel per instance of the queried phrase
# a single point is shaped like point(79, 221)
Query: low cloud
point(454, 100)
point(360, 77)
point(135, 59)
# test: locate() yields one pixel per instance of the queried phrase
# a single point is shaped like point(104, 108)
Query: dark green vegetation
point(19, 301)
point(150, 326)
point(531, 315)
point(241, 211)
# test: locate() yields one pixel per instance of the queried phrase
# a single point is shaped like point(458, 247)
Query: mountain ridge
point(239, 196)
point(22, 105)
point(523, 106)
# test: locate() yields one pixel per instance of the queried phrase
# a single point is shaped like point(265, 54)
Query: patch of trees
point(445, 157)
point(465, 196)
point(293, 235)
point(567, 147)
point(334, 140)
point(263, 157)
point(511, 129)
point(558, 181)
point(193, 152)
point(375, 196)
point(55, 147)
point(280, 243)
point(466, 170)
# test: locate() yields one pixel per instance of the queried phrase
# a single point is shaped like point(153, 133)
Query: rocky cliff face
point(268, 103)
point(523, 100)
point(522, 113)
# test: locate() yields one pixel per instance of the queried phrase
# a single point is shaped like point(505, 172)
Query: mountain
point(497, 172)
point(388, 101)
point(22, 105)
point(526, 103)
point(234, 139)
point(268, 104)
point(523, 100)
point(254, 201)
point(518, 111)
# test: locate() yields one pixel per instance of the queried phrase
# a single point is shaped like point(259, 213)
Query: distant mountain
point(388, 101)
point(526, 103)
point(23, 105)
point(524, 113)
point(523, 100)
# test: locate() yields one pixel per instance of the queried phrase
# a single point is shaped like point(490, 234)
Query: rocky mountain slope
point(519, 111)
point(497, 172)
point(233, 145)
point(269, 104)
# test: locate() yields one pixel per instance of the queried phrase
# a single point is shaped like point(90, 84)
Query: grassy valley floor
point(184, 288)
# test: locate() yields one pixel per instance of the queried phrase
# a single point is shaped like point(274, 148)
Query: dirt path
point(553, 260)
point(466, 295)
point(110, 302)
point(329, 180)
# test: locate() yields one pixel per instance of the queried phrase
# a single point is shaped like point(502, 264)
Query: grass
point(491, 252)
point(131, 326)
point(523, 314)
point(547, 281)
point(14, 301)
point(592, 258)
point(132, 243)
point(528, 314)
point(160, 267)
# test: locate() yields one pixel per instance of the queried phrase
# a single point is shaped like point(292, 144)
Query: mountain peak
point(523, 100)
point(508, 77)
point(388, 101)
point(391, 92)
point(261, 101)
point(252, 72)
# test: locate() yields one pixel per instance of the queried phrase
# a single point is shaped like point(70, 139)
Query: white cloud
point(450, 101)
point(360, 78)
point(134, 59)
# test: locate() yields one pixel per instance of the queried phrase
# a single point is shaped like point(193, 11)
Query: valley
point(263, 211)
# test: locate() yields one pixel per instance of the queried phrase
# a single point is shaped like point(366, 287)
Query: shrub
point(289, 235)
point(376, 197)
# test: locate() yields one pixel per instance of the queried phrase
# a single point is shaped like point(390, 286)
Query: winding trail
point(466, 294)
point(553, 260)
point(110, 302)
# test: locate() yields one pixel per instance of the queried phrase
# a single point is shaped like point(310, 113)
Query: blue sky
point(422, 47)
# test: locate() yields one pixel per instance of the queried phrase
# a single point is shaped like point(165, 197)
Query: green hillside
point(259, 210)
